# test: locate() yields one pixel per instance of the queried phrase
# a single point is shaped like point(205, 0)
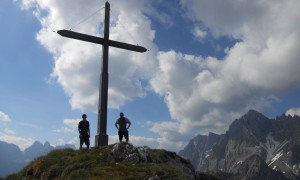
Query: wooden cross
point(101, 139)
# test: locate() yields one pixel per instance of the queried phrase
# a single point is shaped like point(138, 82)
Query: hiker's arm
point(129, 124)
point(116, 125)
point(79, 129)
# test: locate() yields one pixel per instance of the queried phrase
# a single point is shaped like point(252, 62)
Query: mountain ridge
point(13, 159)
point(275, 141)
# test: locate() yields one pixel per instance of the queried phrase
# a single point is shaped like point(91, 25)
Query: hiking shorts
point(123, 133)
point(84, 139)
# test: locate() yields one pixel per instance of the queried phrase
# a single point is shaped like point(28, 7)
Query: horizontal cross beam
point(98, 40)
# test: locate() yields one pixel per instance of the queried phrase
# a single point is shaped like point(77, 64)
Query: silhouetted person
point(84, 131)
point(123, 129)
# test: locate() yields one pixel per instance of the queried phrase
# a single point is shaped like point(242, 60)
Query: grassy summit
point(117, 161)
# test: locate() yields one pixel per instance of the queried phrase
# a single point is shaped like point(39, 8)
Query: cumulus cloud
point(69, 129)
point(8, 131)
point(4, 117)
point(293, 112)
point(206, 94)
point(72, 122)
point(78, 64)
point(69, 126)
point(64, 141)
point(202, 94)
point(199, 33)
point(10, 137)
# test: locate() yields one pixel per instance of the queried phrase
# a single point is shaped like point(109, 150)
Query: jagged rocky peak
point(255, 167)
point(37, 144)
point(252, 127)
point(47, 144)
point(286, 127)
point(198, 146)
point(37, 149)
point(252, 117)
point(253, 144)
point(212, 136)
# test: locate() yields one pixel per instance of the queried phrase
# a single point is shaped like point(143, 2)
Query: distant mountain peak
point(37, 143)
point(47, 143)
point(253, 115)
point(252, 111)
point(13, 159)
point(252, 141)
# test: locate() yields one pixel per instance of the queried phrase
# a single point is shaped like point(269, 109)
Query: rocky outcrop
point(126, 152)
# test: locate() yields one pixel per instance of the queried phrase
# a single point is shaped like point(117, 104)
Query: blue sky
point(208, 64)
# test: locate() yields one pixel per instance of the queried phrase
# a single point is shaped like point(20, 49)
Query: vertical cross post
point(101, 139)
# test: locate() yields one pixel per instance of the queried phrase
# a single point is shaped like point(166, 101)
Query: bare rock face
point(129, 153)
point(255, 168)
point(198, 146)
point(251, 138)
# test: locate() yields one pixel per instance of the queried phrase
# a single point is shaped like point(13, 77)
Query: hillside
point(117, 161)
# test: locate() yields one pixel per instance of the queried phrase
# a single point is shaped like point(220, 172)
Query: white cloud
point(70, 126)
point(78, 64)
point(73, 123)
point(73, 141)
point(64, 141)
point(64, 130)
point(61, 141)
point(202, 94)
point(199, 33)
point(22, 142)
point(29, 125)
point(206, 94)
point(8, 131)
point(4, 117)
point(293, 111)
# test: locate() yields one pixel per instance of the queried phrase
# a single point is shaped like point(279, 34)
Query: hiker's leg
point(81, 142)
point(88, 145)
point(120, 136)
point(87, 142)
point(126, 136)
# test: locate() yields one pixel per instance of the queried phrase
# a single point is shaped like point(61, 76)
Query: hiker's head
point(121, 114)
point(84, 116)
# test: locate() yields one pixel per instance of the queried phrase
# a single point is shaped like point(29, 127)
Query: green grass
point(97, 163)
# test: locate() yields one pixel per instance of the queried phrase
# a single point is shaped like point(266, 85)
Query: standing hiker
point(123, 129)
point(84, 132)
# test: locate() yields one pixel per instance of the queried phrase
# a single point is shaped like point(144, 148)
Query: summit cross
point(101, 139)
